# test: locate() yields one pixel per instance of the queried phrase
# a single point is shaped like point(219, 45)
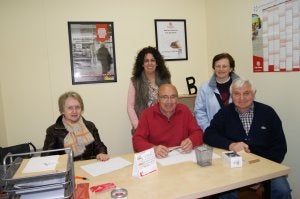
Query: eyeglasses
point(222, 66)
point(167, 97)
point(71, 108)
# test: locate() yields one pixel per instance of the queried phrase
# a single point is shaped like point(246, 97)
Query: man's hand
point(239, 146)
point(186, 145)
point(161, 151)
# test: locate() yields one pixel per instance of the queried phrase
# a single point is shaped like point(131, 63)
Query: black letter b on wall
point(190, 81)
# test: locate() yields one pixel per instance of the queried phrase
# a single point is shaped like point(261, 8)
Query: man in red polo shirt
point(167, 124)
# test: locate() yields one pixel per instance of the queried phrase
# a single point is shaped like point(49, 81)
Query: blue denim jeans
point(280, 189)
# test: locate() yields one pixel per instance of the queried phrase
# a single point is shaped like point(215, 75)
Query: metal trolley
point(44, 184)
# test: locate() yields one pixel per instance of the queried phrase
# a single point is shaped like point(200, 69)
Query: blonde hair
point(62, 100)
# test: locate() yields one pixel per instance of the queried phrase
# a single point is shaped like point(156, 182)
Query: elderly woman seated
point(71, 130)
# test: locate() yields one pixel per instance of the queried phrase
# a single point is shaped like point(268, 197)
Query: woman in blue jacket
point(214, 94)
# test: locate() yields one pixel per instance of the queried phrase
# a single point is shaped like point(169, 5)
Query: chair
point(188, 100)
point(251, 192)
point(16, 149)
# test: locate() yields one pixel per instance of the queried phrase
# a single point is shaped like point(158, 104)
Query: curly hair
point(139, 79)
point(161, 69)
point(224, 56)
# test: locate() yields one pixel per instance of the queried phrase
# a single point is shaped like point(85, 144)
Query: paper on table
point(39, 164)
point(110, 165)
point(175, 157)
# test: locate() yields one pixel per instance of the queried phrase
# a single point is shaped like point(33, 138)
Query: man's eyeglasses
point(167, 97)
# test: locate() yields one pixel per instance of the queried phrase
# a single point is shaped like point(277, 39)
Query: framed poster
point(92, 52)
point(171, 40)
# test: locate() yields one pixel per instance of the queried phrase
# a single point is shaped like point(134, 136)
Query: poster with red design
point(92, 52)
point(276, 36)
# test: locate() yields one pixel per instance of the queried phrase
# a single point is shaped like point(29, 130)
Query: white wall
point(229, 29)
point(3, 139)
point(35, 63)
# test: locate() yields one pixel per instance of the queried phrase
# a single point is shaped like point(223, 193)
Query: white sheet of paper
point(144, 163)
point(39, 164)
point(110, 165)
point(175, 157)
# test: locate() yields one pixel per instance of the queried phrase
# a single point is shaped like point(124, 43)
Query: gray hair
point(239, 82)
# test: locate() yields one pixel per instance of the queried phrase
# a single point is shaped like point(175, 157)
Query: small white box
point(232, 159)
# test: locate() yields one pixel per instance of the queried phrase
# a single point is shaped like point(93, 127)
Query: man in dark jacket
point(105, 58)
point(250, 126)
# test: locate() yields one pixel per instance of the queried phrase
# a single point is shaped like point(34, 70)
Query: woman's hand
point(102, 157)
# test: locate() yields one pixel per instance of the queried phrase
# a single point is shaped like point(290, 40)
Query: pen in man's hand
point(81, 178)
point(174, 148)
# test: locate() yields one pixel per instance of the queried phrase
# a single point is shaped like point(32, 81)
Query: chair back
point(16, 149)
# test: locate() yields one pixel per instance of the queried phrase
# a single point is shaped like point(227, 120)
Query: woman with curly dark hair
point(149, 72)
